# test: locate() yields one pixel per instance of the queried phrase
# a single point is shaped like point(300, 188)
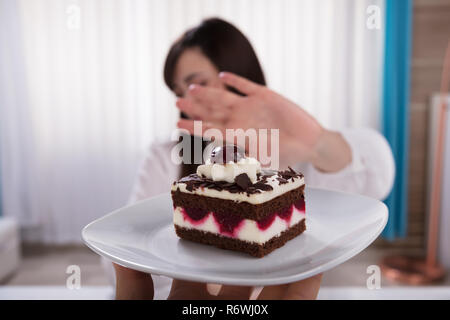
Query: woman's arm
point(355, 161)
point(371, 171)
point(331, 153)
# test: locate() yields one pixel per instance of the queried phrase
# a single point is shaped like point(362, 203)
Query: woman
point(351, 160)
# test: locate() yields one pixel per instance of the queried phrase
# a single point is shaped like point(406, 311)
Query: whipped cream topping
point(230, 170)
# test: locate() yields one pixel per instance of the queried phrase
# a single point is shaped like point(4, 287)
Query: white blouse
point(370, 173)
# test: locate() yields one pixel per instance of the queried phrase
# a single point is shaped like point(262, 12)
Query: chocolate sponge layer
point(243, 210)
point(251, 248)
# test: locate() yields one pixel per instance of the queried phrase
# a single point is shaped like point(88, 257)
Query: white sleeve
point(371, 172)
point(155, 174)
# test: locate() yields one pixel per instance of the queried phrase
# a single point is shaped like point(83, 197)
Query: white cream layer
point(248, 230)
point(256, 198)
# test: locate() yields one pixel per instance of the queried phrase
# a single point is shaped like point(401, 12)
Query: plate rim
point(238, 281)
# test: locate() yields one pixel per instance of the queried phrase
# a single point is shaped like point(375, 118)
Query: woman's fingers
point(210, 103)
point(132, 284)
point(200, 111)
point(205, 129)
point(187, 290)
point(243, 85)
point(272, 292)
point(307, 289)
point(213, 288)
point(213, 131)
point(214, 98)
point(301, 290)
point(194, 111)
point(207, 103)
point(235, 292)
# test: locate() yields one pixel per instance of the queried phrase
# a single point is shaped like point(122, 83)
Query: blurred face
point(194, 68)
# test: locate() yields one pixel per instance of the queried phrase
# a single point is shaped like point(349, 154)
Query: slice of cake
point(232, 204)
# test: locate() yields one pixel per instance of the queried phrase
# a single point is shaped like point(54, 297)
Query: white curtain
point(83, 95)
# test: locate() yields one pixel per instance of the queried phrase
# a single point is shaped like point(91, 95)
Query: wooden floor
point(47, 265)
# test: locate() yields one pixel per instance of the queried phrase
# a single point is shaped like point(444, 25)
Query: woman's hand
point(132, 284)
point(302, 138)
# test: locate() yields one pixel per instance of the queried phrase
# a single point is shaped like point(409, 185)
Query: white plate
point(142, 237)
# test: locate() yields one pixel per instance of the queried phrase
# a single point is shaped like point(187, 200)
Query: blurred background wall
point(431, 33)
point(83, 95)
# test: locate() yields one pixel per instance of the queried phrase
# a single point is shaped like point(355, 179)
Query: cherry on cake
point(233, 204)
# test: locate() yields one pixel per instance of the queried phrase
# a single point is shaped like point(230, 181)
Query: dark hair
point(223, 44)
point(226, 47)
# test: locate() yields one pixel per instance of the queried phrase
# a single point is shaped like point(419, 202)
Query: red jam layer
point(230, 224)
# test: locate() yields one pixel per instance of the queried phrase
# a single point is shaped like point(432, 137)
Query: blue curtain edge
point(397, 201)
